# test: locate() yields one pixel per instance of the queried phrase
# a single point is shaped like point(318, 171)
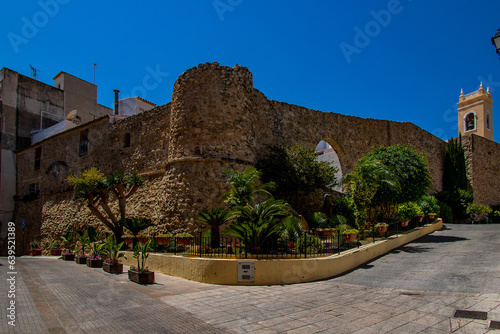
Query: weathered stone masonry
point(216, 121)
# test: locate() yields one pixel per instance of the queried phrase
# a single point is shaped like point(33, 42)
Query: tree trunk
point(214, 236)
point(100, 216)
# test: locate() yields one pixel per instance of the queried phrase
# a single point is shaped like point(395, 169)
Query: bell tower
point(475, 113)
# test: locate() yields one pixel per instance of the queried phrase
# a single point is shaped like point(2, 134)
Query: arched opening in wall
point(126, 140)
point(327, 153)
point(488, 125)
point(470, 121)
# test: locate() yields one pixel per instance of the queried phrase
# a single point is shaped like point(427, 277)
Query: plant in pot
point(56, 249)
point(406, 211)
point(140, 273)
point(381, 227)
point(183, 239)
point(162, 239)
point(111, 249)
point(95, 259)
point(432, 215)
point(350, 234)
point(135, 225)
point(83, 243)
point(128, 238)
point(69, 245)
point(142, 238)
point(35, 248)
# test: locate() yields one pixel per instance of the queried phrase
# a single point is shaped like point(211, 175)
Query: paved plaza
point(414, 289)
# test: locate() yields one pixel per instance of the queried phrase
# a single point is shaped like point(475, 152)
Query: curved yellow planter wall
point(276, 271)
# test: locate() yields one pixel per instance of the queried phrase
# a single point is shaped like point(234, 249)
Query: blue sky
point(401, 60)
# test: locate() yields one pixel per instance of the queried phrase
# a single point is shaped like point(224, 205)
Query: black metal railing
point(311, 244)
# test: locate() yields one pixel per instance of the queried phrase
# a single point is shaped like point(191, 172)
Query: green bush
point(314, 244)
point(457, 200)
point(445, 212)
point(477, 211)
point(495, 217)
point(428, 204)
point(407, 211)
point(345, 207)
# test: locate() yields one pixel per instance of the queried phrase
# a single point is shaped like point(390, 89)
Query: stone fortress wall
point(216, 121)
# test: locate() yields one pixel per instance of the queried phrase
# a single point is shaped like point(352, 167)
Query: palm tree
point(214, 218)
point(258, 223)
point(244, 185)
point(364, 181)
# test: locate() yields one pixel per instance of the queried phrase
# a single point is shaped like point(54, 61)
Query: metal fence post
point(200, 243)
point(338, 240)
point(305, 245)
point(246, 245)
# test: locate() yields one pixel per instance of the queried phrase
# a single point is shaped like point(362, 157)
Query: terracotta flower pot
point(382, 229)
point(68, 257)
point(55, 251)
point(326, 231)
point(419, 219)
point(183, 240)
point(112, 268)
point(128, 240)
point(431, 217)
point(141, 278)
point(80, 259)
point(405, 223)
point(162, 240)
point(350, 236)
point(94, 263)
point(36, 252)
point(142, 240)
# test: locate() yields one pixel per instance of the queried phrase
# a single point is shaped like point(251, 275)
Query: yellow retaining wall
point(277, 271)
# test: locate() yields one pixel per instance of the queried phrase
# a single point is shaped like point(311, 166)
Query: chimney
point(117, 111)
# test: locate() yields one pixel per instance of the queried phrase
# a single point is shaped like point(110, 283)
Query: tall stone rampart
point(216, 121)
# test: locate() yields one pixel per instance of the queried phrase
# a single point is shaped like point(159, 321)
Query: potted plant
point(35, 248)
point(350, 234)
point(112, 263)
point(406, 211)
point(128, 238)
point(142, 238)
point(381, 227)
point(162, 239)
point(56, 249)
point(183, 239)
point(140, 273)
point(95, 259)
point(432, 215)
point(68, 241)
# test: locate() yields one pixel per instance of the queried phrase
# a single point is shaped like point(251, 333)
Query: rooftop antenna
point(34, 72)
point(95, 65)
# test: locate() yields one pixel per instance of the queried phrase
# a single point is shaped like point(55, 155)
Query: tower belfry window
point(488, 126)
point(470, 122)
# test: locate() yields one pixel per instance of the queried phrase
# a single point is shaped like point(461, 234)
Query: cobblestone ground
point(54, 296)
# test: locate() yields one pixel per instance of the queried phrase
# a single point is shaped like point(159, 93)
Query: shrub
point(345, 207)
point(314, 244)
point(445, 212)
point(428, 204)
point(407, 211)
point(477, 211)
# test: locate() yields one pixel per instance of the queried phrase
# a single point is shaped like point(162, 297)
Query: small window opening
point(126, 140)
point(38, 156)
point(84, 142)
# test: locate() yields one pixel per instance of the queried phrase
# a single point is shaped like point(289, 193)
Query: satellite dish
point(71, 115)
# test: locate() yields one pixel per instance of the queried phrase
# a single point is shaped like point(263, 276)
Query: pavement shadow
point(411, 249)
point(439, 239)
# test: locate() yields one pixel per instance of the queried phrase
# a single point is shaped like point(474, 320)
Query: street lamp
point(495, 40)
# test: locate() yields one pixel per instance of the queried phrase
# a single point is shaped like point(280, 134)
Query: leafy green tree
point(258, 223)
point(296, 171)
point(410, 168)
point(96, 188)
point(457, 192)
point(214, 218)
point(364, 181)
point(244, 185)
point(455, 170)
